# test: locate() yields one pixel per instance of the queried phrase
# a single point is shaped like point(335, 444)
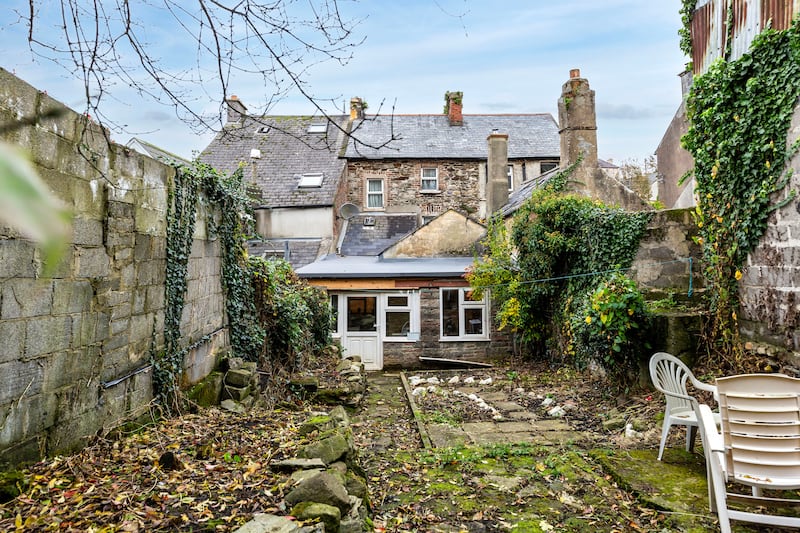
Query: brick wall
point(77, 344)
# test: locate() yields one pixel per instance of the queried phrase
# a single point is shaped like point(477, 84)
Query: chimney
point(357, 107)
point(578, 122)
point(452, 107)
point(236, 109)
point(497, 172)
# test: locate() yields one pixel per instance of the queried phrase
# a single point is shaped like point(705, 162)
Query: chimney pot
point(575, 73)
point(453, 107)
point(356, 108)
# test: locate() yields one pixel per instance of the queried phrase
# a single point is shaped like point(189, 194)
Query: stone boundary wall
point(662, 261)
point(76, 346)
point(770, 285)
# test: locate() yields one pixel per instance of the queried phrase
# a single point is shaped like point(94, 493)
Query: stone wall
point(77, 344)
point(770, 286)
point(406, 354)
point(459, 185)
point(662, 262)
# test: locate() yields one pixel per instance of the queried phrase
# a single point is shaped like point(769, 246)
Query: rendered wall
point(76, 346)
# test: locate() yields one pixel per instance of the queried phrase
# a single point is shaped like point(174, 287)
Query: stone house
point(414, 213)
point(293, 169)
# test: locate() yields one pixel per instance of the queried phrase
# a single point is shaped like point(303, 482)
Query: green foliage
point(296, 317)
point(559, 248)
point(181, 211)
point(685, 32)
point(739, 114)
point(612, 322)
point(223, 194)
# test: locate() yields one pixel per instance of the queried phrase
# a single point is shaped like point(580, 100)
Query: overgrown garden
point(557, 274)
point(273, 317)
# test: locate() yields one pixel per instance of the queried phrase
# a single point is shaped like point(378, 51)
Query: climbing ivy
point(739, 114)
point(685, 31)
point(224, 195)
point(295, 316)
point(181, 211)
point(560, 249)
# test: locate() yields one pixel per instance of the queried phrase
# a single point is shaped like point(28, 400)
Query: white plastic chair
point(669, 375)
point(758, 446)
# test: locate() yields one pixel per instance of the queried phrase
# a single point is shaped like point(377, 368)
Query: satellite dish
point(348, 211)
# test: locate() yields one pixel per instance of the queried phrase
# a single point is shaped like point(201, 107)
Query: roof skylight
point(313, 179)
point(317, 127)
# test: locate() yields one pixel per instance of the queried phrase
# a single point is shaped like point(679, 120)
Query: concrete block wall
point(770, 286)
point(76, 345)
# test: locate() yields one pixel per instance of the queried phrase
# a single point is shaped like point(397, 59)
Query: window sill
point(464, 339)
point(398, 339)
point(430, 191)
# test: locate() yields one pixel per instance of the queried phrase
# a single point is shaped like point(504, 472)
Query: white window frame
point(337, 311)
point(318, 127)
point(464, 304)
point(369, 194)
point(310, 180)
point(510, 175)
point(412, 307)
point(423, 179)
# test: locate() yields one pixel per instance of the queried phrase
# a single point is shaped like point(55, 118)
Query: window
point(547, 167)
point(317, 127)
point(463, 316)
point(399, 318)
point(375, 194)
point(430, 179)
point(313, 179)
point(510, 174)
point(336, 330)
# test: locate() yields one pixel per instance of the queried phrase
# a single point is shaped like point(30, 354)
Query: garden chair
point(669, 375)
point(758, 446)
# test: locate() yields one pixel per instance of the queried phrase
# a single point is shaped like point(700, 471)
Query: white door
point(361, 334)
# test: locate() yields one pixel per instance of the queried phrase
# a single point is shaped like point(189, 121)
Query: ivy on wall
point(225, 195)
point(739, 114)
point(561, 250)
point(181, 216)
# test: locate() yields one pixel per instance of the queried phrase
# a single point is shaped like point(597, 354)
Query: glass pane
point(361, 313)
point(470, 296)
point(397, 301)
point(397, 323)
point(429, 185)
point(473, 320)
point(450, 324)
point(374, 200)
point(335, 312)
point(428, 172)
point(375, 186)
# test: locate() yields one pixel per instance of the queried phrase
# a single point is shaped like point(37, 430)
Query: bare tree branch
point(112, 47)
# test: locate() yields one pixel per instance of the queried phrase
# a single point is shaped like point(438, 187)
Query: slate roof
point(432, 137)
point(361, 239)
point(298, 252)
point(288, 151)
point(335, 267)
point(518, 197)
point(154, 151)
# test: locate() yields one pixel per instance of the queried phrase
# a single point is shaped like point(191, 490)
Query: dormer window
point(264, 129)
point(313, 179)
point(318, 127)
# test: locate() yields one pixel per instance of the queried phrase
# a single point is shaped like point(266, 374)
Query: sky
point(506, 56)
